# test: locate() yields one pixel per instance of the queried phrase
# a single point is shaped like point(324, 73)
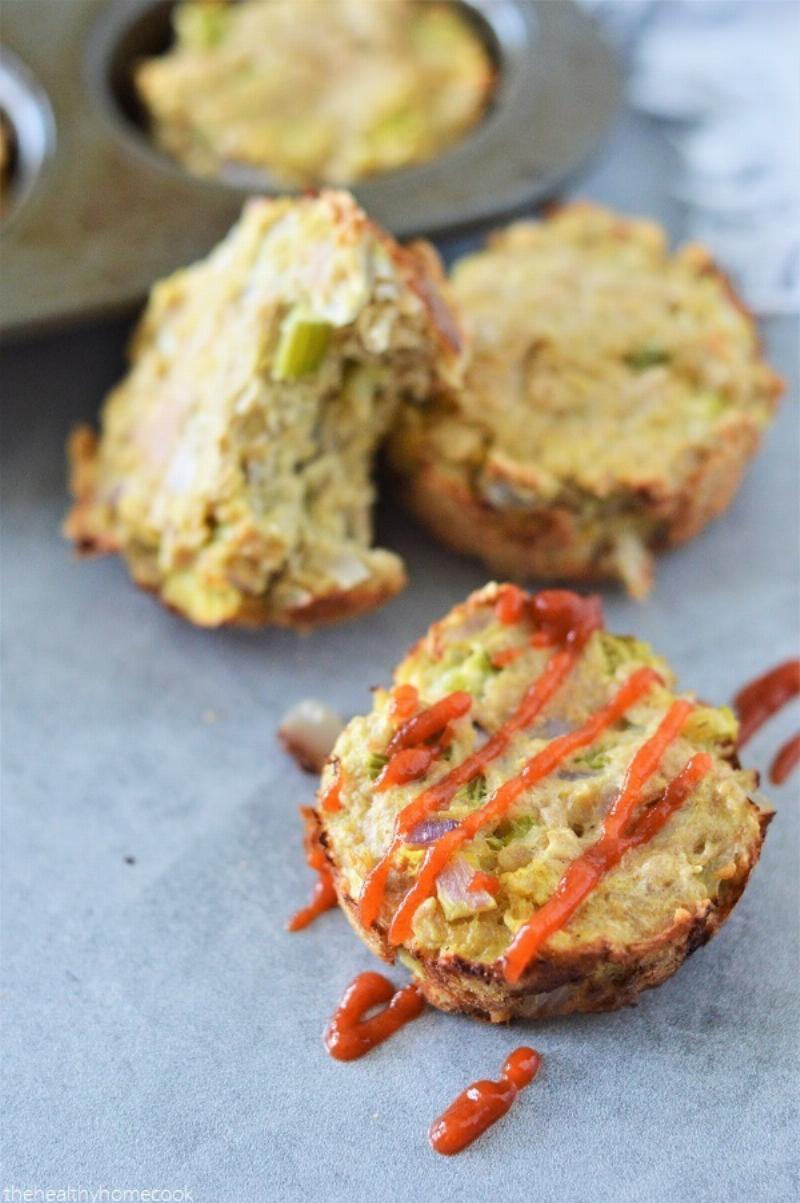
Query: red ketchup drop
point(349, 1035)
point(483, 1103)
point(566, 618)
point(511, 605)
point(561, 618)
point(786, 760)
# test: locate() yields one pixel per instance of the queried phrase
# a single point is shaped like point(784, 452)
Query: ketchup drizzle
point(349, 1035)
point(331, 800)
point(587, 870)
point(404, 703)
point(559, 617)
point(757, 701)
point(568, 621)
point(760, 699)
point(323, 897)
point(538, 767)
point(483, 1104)
point(429, 723)
point(409, 764)
point(437, 796)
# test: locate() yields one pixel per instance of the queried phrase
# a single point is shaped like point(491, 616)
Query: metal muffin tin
point(99, 214)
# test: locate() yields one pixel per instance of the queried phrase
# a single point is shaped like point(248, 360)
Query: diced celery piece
point(401, 126)
point(623, 649)
point(201, 26)
point(646, 357)
point(470, 671)
point(303, 343)
point(375, 763)
point(476, 789)
point(594, 760)
point(511, 829)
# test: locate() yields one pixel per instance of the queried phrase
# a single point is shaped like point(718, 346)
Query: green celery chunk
point(646, 357)
point(302, 346)
point(375, 763)
point(202, 26)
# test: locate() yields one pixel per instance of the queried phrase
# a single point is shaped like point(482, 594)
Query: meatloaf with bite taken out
point(233, 466)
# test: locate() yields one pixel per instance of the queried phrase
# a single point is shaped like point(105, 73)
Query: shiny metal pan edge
point(101, 213)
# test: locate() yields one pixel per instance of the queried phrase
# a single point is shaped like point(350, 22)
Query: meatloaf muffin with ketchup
point(233, 466)
point(534, 819)
point(613, 398)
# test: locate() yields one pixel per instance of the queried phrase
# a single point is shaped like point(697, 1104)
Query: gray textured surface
point(161, 1028)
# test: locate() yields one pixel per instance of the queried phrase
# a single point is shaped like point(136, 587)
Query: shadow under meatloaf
point(662, 901)
point(233, 468)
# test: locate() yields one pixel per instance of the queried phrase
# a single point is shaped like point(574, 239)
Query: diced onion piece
point(634, 564)
point(430, 830)
point(308, 732)
point(456, 898)
point(551, 728)
point(348, 571)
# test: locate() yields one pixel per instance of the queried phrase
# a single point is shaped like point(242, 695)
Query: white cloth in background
point(723, 77)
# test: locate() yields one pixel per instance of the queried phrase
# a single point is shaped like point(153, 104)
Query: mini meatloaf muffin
point(315, 90)
point(614, 395)
point(233, 466)
point(533, 818)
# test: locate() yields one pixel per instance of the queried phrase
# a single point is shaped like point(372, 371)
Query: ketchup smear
point(349, 1035)
point(500, 802)
point(483, 1103)
point(324, 896)
point(756, 702)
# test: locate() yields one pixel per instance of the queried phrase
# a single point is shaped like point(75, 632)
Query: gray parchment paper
point(162, 1030)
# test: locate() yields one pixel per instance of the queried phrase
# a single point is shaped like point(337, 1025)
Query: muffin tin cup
point(99, 213)
point(27, 113)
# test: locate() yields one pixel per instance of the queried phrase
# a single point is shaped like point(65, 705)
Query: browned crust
point(547, 543)
point(78, 527)
point(597, 977)
point(517, 546)
point(325, 610)
point(426, 278)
